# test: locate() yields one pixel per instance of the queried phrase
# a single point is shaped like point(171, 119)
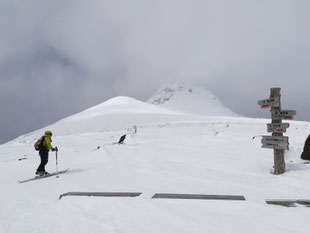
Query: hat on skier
point(48, 133)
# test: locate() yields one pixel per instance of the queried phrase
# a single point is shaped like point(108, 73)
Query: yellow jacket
point(47, 141)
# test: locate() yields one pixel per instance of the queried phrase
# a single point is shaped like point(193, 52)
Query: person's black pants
point(44, 160)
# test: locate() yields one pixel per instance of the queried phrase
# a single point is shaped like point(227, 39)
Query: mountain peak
point(191, 99)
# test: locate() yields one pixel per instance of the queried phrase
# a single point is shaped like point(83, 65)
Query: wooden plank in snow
point(198, 196)
point(303, 202)
point(101, 194)
point(288, 202)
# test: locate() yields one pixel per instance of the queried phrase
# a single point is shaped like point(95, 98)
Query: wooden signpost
point(266, 103)
point(283, 114)
point(277, 127)
point(277, 141)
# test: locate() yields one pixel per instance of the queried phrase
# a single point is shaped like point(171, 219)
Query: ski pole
point(56, 160)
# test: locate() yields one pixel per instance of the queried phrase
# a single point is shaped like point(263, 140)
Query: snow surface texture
point(171, 152)
point(194, 100)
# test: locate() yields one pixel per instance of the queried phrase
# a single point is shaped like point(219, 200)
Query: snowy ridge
point(114, 114)
point(190, 99)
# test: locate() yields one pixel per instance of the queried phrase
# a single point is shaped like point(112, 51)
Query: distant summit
point(190, 99)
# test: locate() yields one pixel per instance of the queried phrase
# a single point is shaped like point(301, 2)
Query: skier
point(43, 152)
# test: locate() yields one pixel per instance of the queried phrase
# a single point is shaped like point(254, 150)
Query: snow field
point(173, 151)
point(215, 156)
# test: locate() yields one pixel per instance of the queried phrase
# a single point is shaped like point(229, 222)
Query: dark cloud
point(60, 57)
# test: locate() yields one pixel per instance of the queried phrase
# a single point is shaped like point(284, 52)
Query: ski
point(45, 176)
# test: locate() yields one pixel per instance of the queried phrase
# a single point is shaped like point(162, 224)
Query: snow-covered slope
point(190, 99)
point(119, 113)
point(116, 113)
point(171, 152)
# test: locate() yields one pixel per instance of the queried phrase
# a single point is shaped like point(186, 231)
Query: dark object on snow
point(289, 203)
point(122, 139)
point(21, 159)
point(100, 194)
point(198, 196)
point(306, 153)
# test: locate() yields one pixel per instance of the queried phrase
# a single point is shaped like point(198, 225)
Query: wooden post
point(279, 161)
point(100, 194)
point(198, 196)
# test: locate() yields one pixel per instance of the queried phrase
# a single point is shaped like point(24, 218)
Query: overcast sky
point(62, 56)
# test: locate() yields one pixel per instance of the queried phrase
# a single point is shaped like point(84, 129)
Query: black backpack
point(39, 143)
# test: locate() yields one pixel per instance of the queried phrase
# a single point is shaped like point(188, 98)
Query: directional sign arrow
point(277, 127)
point(275, 139)
point(280, 146)
point(284, 114)
point(275, 142)
point(271, 102)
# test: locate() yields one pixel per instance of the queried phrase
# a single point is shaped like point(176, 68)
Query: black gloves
point(55, 149)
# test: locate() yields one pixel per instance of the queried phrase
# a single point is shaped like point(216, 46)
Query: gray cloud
point(59, 57)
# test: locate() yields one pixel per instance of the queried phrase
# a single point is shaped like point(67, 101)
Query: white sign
point(275, 142)
point(275, 139)
point(277, 127)
point(271, 102)
point(284, 114)
point(280, 146)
